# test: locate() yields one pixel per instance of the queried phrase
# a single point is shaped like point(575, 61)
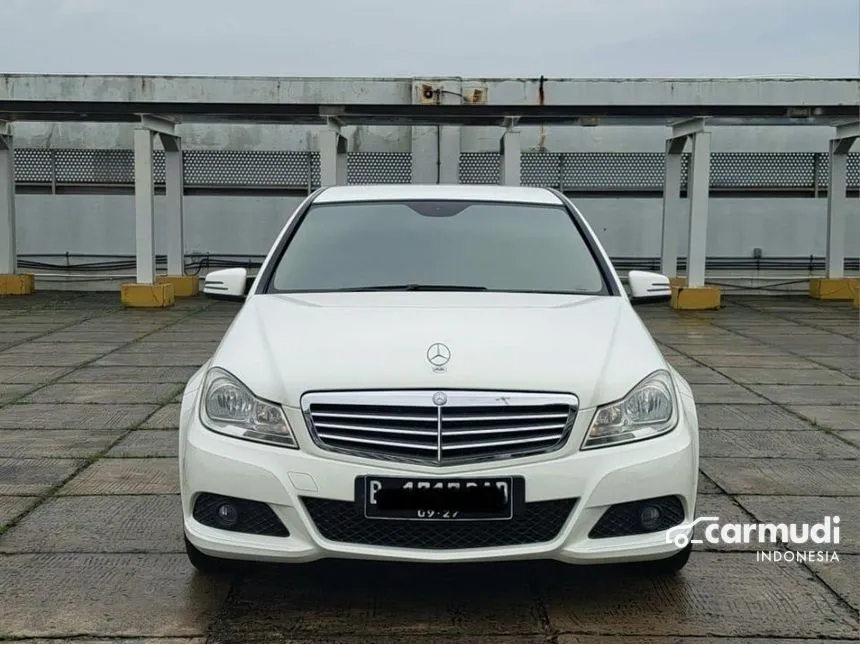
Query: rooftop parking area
point(91, 541)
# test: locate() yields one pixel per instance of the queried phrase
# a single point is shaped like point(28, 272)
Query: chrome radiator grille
point(439, 427)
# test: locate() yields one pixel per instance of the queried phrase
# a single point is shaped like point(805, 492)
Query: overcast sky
point(499, 38)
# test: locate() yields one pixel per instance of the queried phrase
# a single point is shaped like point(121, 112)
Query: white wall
point(629, 227)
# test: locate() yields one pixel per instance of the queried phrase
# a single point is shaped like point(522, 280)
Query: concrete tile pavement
point(90, 544)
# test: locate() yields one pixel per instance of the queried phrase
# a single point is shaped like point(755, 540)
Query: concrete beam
point(803, 93)
point(158, 124)
point(848, 131)
point(688, 127)
point(333, 158)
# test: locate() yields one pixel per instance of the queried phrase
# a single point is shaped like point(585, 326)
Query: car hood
point(282, 346)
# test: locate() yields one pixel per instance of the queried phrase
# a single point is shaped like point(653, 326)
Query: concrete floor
point(91, 545)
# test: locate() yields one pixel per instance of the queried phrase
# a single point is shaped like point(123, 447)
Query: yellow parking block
point(695, 298)
point(153, 296)
point(833, 288)
point(184, 286)
point(17, 284)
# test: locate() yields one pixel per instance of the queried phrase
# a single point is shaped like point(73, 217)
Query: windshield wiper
point(415, 287)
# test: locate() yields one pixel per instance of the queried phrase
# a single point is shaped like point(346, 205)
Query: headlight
point(230, 408)
point(649, 410)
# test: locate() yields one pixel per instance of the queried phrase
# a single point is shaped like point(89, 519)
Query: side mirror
point(646, 286)
point(226, 284)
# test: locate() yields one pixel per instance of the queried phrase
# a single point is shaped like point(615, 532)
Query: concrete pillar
point(8, 252)
point(689, 292)
point(174, 187)
point(671, 207)
point(837, 205)
point(333, 158)
point(425, 155)
point(12, 283)
point(147, 290)
point(436, 148)
point(835, 286)
point(174, 190)
point(144, 206)
point(698, 188)
point(510, 148)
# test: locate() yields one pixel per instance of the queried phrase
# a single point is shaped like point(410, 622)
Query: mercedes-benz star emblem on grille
point(438, 354)
point(440, 399)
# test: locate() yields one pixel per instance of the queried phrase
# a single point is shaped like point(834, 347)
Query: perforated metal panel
point(33, 166)
point(762, 169)
point(379, 168)
point(246, 168)
point(94, 166)
point(540, 169)
point(578, 171)
point(607, 170)
point(853, 170)
point(480, 168)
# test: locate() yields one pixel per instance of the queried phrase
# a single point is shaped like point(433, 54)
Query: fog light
point(649, 518)
point(228, 515)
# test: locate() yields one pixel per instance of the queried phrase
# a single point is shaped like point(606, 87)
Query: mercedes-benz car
point(437, 374)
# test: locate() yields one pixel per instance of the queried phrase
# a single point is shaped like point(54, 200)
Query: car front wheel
point(667, 566)
point(209, 564)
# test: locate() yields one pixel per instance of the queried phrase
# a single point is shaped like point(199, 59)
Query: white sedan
point(437, 374)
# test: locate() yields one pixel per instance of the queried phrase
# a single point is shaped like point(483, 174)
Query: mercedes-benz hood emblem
point(438, 354)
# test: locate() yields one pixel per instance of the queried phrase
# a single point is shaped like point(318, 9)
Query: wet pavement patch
point(766, 444)
point(55, 443)
point(844, 417)
point(718, 594)
point(832, 477)
point(145, 596)
point(74, 416)
point(151, 476)
point(99, 524)
point(12, 507)
point(165, 418)
point(147, 443)
point(35, 476)
point(752, 417)
point(103, 393)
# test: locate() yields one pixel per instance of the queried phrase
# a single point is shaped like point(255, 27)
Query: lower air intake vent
point(343, 522)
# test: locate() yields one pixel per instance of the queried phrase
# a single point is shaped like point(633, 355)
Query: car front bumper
point(280, 477)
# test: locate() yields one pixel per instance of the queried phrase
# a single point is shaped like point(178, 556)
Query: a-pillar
point(510, 147)
point(146, 291)
point(12, 283)
point(690, 292)
point(334, 149)
point(835, 286)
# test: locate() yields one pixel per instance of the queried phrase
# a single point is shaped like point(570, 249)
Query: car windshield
point(437, 245)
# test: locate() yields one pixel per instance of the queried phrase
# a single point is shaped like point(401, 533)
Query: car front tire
point(667, 566)
point(208, 564)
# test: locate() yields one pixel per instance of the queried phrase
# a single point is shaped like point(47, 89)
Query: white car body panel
point(282, 346)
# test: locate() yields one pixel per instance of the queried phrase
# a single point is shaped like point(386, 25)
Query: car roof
point(466, 192)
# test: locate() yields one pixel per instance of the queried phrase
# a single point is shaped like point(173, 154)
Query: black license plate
point(430, 499)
